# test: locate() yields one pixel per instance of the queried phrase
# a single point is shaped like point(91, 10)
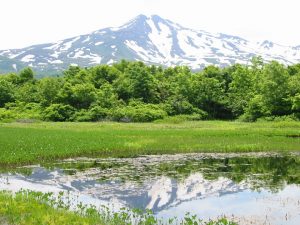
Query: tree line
point(136, 92)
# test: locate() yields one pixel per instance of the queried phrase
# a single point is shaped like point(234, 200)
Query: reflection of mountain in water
point(166, 192)
point(158, 184)
point(156, 193)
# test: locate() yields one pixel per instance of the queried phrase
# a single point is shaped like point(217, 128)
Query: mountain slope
point(153, 40)
point(10, 65)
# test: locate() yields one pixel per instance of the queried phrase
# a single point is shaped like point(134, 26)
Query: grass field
point(26, 143)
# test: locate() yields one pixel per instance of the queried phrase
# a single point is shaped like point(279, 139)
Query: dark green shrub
point(58, 112)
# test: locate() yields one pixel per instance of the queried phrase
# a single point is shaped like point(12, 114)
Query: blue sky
point(24, 23)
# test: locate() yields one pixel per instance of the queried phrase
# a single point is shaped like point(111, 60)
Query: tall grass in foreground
point(22, 143)
point(34, 208)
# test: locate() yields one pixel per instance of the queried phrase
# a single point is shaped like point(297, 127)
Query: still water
point(250, 188)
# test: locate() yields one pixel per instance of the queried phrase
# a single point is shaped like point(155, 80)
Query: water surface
point(251, 188)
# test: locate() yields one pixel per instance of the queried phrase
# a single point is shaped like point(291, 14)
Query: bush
point(59, 112)
point(138, 113)
point(97, 113)
point(82, 116)
point(183, 118)
point(177, 106)
point(20, 111)
point(255, 110)
point(287, 118)
point(6, 115)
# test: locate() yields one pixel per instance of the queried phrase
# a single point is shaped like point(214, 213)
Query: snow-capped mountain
point(153, 40)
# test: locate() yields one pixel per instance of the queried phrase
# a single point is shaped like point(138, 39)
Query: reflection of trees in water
point(264, 172)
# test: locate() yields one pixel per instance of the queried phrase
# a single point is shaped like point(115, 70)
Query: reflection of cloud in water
point(246, 207)
point(160, 193)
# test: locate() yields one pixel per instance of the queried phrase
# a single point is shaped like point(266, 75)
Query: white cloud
point(30, 22)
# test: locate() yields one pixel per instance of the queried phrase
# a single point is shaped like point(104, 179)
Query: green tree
point(255, 109)
point(208, 94)
point(48, 89)
point(78, 95)
point(222, 75)
point(106, 97)
point(137, 82)
point(6, 92)
point(294, 69)
point(294, 84)
point(103, 74)
point(274, 88)
point(26, 75)
point(70, 73)
point(241, 89)
point(27, 93)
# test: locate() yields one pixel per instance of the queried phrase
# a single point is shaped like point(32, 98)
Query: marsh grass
point(35, 208)
point(27, 143)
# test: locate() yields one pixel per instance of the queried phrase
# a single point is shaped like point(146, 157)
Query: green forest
point(135, 92)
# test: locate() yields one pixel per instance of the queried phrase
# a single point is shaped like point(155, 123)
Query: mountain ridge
point(150, 39)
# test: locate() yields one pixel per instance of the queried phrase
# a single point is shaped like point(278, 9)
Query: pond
point(253, 188)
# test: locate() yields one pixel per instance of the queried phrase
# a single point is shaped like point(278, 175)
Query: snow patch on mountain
point(28, 58)
point(54, 46)
point(111, 61)
point(87, 39)
point(99, 43)
point(160, 37)
point(68, 44)
point(142, 53)
point(15, 67)
point(55, 62)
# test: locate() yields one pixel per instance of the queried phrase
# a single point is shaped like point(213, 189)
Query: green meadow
point(28, 143)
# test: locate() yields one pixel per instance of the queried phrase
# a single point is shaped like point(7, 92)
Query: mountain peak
point(137, 21)
point(145, 17)
point(140, 17)
point(156, 17)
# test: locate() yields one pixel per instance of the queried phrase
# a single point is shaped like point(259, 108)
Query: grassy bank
point(32, 208)
point(25, 143)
